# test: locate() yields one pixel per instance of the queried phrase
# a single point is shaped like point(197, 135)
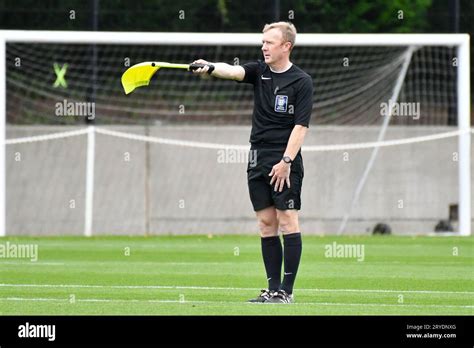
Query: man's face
point(273, 46)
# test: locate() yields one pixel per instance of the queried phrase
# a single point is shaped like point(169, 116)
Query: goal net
point(389, 139)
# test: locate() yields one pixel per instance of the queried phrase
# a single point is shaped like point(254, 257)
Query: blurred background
point(143, 187)
point(309, 16)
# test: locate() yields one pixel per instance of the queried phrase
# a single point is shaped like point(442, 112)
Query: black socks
point(273, 257)
point(293, 247)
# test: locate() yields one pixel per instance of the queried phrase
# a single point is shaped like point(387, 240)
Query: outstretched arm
point(222, 70)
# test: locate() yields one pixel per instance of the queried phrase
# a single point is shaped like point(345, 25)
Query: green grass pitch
point(204, 275)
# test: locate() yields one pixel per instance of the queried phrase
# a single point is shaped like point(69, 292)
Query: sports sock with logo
point(272, 258)
point(292, 256)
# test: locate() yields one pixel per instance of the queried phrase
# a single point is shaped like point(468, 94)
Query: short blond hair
point(287, 29)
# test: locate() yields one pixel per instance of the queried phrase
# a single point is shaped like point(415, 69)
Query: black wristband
point(211, 68)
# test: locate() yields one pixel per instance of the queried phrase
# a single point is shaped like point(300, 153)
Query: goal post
point(464, 145)
point(391, 70)
point(3, 107)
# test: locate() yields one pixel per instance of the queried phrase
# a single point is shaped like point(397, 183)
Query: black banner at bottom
point(454, 331)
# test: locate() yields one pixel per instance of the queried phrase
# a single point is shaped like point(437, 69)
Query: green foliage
point(317, 16)
point(361, 16)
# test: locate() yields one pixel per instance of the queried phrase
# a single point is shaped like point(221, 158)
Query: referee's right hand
point(201, 71)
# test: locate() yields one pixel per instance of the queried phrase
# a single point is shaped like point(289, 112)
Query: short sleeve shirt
point(281, 101)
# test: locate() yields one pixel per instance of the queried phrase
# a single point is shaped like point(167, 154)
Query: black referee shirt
point(281, 101)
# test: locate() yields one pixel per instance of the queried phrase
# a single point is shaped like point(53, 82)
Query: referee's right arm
point(222, 70)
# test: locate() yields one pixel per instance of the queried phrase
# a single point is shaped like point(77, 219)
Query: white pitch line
point(19, 299)
point(178, 287)
point(169, 263)
point(114, 262)
point(27, 262)
point(395, 291)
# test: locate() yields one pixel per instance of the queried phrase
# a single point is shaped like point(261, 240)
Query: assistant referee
point(283, 99)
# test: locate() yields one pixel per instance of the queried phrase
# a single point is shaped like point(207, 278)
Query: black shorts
point(262, 194)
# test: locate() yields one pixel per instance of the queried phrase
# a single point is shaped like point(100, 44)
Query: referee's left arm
point(280, 172)
point(296, 141)
point(303, 111)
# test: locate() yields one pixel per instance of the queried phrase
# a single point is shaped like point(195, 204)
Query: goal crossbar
point(229, 39)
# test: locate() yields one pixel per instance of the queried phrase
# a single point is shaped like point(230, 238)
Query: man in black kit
point(283, 99)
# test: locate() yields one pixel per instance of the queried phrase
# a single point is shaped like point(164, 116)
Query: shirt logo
point(266, 78)
point(281, 103)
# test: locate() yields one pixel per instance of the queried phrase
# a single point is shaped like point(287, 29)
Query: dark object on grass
point(382, 229)
point(444, 226)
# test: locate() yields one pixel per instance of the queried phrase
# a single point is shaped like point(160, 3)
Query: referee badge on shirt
point(281, 103)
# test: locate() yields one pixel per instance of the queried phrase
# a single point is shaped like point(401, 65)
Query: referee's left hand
point(280, 175)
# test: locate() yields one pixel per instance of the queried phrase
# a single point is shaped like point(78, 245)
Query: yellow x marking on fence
point(60, 73)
